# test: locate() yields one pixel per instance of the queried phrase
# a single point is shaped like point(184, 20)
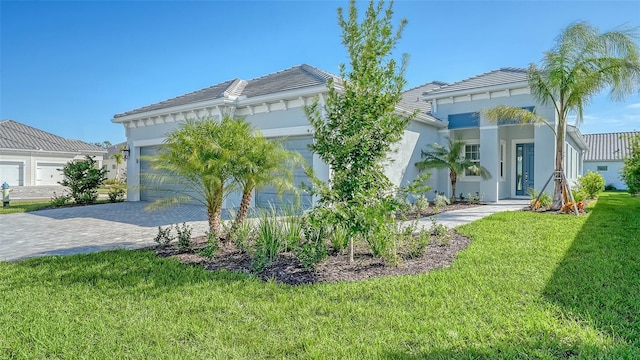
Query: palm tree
point(118, 157)
point(451, 158)
point(583, 63)
point(197, 162)
point(263, 162)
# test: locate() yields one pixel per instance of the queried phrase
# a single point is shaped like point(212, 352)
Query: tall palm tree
point(196, 163)
point(451, 158)
point(263, 162)
point(582, 63)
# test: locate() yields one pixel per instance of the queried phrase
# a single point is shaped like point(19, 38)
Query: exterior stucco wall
point(611, 175)
point(31, 159)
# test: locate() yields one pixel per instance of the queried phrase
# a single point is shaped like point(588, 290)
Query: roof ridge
point(435, 82)
point(317, 73)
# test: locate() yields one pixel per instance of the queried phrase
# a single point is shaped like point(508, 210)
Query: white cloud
point(633, 106)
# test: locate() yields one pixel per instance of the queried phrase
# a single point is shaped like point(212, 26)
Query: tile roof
point(296, 77)
point(114, 149)
point(501, 76)
point(18, 136)
point(413, 97)
point(608, 146)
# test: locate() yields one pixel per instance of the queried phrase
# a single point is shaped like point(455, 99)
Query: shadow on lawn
point(598, 281)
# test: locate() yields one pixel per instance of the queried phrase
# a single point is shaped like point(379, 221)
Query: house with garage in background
point(606, 155)
point(518, 157)
point(32, 157)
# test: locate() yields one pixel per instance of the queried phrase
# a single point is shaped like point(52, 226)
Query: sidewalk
point(452, 219)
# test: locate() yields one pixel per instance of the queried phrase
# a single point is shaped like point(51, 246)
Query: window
point(603, 167)
point(472, 152)
point(503, 155)
point(113, 166)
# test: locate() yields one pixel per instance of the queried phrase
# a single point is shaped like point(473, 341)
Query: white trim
point(148, 142)
point(288, 131)
point(469, 178)
point(513, 165)
point(488, 127)
point(490, 90)
point(502, 154)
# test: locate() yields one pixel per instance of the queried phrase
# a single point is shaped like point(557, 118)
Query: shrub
point(631, 170)
point(269, 240)
point(440, 232)
point(475, 199)
point(415, 242)
point(83, 178)
point(592, 183)
point(610, 187)
point(116, 194)
point(339, 237)
point(421, 203)
point(441, 201)
point(163, 237)
point(59, 200)
point(311, 249)
point(184, 236)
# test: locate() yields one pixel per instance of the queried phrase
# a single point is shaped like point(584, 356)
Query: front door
point(524, 168)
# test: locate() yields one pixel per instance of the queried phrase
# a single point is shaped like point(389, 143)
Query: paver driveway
point(90, 228)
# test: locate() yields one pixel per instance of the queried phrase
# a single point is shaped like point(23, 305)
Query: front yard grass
point(19, 206)
point(530, 285)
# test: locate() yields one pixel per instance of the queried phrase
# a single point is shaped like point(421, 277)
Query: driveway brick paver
point(127, 225)
point(90, 228)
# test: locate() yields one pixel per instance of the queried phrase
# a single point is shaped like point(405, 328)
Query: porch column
point(490, 159)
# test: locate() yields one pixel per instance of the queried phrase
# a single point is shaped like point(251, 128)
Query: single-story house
point(518, 157)
point(32, 157)
point(606, 155)
point(115, 170)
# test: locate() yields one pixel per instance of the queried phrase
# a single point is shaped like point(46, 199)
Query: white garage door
point(150, 188)
point(48, 173)
point(12, 172)
point(268, 196)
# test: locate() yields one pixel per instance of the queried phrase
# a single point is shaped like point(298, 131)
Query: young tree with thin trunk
point(583, 63)
point(118, 158)
point(355, 129)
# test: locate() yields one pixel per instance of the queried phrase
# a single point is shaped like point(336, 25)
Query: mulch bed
point(288, 270)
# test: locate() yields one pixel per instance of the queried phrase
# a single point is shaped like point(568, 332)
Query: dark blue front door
point(524, 168)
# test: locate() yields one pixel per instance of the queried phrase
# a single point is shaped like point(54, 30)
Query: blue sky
point(68, 67)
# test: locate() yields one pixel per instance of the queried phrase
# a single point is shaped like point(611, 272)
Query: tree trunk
point(351, 249)
point(214, 214)
point(244, 209)
point(454, 179)
point(557, 191)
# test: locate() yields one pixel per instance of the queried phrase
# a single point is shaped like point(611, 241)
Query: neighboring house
point(517, 156)
point(32, 157)
point(606, 155)
point(109, 163)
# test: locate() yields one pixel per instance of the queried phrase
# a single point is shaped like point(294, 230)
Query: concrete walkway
point(127, 225)
point(452, 219)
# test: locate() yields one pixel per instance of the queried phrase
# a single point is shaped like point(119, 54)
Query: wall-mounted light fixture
point(125, 153)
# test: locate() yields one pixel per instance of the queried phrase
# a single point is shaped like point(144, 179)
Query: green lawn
point(529, 286)
point(18, 206)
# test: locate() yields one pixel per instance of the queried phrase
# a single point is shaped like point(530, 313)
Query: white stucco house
point(606, 155)
point(32, 157)
point(517, 156)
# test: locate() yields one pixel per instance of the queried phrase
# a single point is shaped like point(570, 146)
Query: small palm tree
point(583, 63)
point(118, 157)
point(451, 158)
point(263, 162)
point(196, 163)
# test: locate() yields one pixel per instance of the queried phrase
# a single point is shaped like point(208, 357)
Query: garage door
point(268, 196)
point(48, 173)
point(150, 188)
point(12, 172)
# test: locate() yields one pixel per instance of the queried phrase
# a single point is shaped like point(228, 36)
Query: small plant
point(475, 199)
point(212, 246)
point(440, 202)
point(59, 200)
point(415, 242)
point(592, 183)
point(116, 194)
point(544, 202)
point(421, 203)
point(311, 250)
point(339, 237)
point(184, 236)
point(610, 187)
point(269, 240)
point(440, 233)
point(163, 237)
point(292, 226)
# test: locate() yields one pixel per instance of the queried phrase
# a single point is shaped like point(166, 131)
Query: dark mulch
point(288, 270)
